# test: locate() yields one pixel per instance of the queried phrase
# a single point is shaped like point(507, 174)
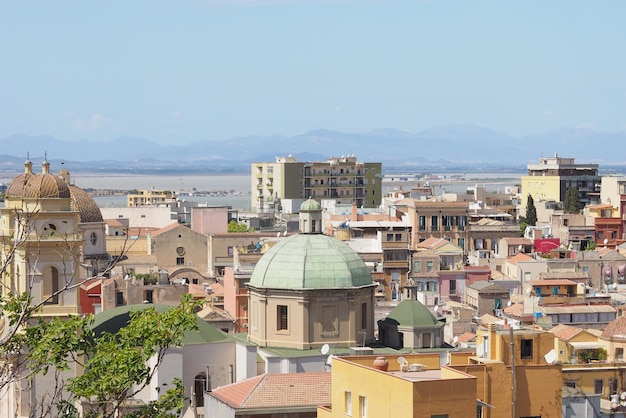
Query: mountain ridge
point(446, 146)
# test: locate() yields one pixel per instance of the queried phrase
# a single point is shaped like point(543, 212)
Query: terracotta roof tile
point(277, 390)
point(565, 332)
point(616, 329)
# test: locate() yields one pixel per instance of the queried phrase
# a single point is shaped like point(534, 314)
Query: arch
point(50, 286)
point(201, 384)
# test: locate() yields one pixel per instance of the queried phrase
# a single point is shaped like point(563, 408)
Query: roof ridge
point(253, 388)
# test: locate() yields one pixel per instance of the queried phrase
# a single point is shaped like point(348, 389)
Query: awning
point(585, 345)
point(483, 404)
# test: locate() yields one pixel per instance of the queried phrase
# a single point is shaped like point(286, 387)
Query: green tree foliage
point(116, 365)
point(234, 226)
point(531, 212)
point(572, 202)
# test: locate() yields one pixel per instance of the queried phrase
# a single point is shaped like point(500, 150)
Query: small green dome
point(310, 261)
point(310, 205)
point(412, 313)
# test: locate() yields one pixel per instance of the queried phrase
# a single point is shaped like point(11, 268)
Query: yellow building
point(360, 389)
point(537, 387)
point(553, 176)
point(150, 197)
point(575, 345)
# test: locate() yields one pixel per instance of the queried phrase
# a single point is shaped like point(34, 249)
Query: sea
point(234, 190)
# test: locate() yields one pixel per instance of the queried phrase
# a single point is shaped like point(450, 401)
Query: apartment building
point(150, 197)
point(553, 176)
point(343, 179)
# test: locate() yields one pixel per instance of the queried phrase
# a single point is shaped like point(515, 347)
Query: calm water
point(234, 190)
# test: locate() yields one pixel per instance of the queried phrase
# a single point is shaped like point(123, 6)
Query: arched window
point(201, 385)
point(50, 286)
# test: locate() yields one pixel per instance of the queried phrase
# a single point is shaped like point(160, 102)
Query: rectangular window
point(363, 406)
point(119, 298)
point(417, 266)
point(180, 261)
point(598, 386)
point(612, 386)
point(282, 320)
point(429, 266)
point(619, 354)
point(570, 383)
point(230, 250)
point(526, 348)
point(364, 316)
point(389, 237)
point(348, 403)
point(398, 237)
point(453, 287)
point(148, 296)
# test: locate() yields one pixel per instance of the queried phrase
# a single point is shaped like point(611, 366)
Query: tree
point(116, 366)
point(531, 212)
point(234, 226)
point(572, 202)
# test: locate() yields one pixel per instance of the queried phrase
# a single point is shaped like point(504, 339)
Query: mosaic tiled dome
point(85, 205)
point(38, 186)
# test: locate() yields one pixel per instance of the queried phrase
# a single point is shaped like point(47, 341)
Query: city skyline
point(192, 71)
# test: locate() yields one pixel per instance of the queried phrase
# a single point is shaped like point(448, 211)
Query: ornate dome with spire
point(29, 185)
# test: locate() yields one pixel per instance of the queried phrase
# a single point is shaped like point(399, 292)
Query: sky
point(192, 70)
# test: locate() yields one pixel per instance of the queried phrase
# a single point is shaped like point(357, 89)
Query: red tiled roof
point(433, 243)
point(552, 282)
point(113, 222)
point(169, 227)
point(518, 241)
point(519, 257)
point(277, 390)
point(616, 329)
point(565, 332)
point(466, 337)
point(516, 310)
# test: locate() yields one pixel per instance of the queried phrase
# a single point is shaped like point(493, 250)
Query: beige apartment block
point(152, 197)
point(343, 179)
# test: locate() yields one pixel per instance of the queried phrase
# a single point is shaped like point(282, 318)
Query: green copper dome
point(310, 261)
point(310, 205)
point(412, 313)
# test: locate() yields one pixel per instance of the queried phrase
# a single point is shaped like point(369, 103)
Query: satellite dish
point(329, 360)
point(285, 233)
point(623, 396)
point(509, 303)
point(550, 357)
point(278, 234)
point(325, 348)
point(606, 241)
point(528, 290)
point(455, 339)
point(436, 308)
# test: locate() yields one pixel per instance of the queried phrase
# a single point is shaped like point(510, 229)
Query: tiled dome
point(85, 205)
point(38, 186)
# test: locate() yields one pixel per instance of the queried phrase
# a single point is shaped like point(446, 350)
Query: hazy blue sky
point(189, 70)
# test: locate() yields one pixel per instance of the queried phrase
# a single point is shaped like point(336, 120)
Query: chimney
point(354, 216)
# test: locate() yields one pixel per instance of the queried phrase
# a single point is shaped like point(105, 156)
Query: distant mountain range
point(462, 147)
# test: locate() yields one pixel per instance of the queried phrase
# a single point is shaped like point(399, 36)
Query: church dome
point(310, 261)
point(85, 205)
point(412, 313)
point(38, 186)
point(310, 205)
